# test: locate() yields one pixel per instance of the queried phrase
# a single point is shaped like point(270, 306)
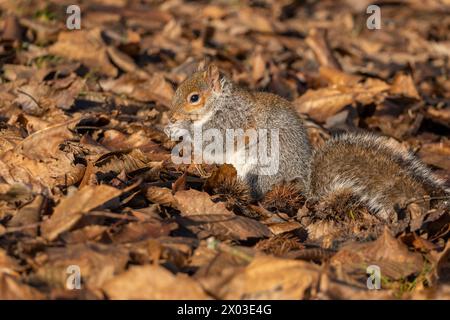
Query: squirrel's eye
point(194, 98)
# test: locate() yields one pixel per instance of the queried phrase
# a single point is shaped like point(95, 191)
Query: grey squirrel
point(210, 100)
point(373, 170)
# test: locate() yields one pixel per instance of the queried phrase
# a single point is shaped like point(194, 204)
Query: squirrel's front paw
point(177, 131)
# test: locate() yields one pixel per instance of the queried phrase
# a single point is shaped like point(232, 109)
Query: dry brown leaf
point(97, 264)
point(224, 174)
point(437, 293)
point(213, 11)
point(318, 41)
point(267, 277)
point(153, 283)
point(162, 196)
point(441, 264)
point(215, 219)
point(115, 140)
point(387, 252)
point(116, 161)
point(155, 88)
point(323, 103)
point(36, 97)
point(8, 265)
point(133, 232)
point(280, 228)
point(72, 208)
point(10, 136)
point(440, 115)
point(336, 77)
point(332, 289)
point(44, 143)
point(85, 46)
point(39, 162)
point(12, 30)
point(258, 66)
point(12, 288)
point(28, 215)
point(125, 62)
point(255, 21)
point(83, 235)
point(403, 85)
point(180, 183)
point(436, 154)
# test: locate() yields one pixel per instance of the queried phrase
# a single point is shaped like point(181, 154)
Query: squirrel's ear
point(201, 66)
point(213, 77)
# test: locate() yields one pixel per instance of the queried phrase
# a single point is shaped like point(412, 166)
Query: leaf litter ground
point(85, 173)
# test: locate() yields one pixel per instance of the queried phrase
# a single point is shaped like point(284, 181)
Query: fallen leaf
point(255, 21)
point(133, 232)
point(215, 219)
point(85, 46)
point(323, 103)
point(436, 154)
point(337, 77)
point(124, 160)
point(72, 208)
point(155, 88)
point(270, 278)
point(390, 254)
point(8, 265)
point(403, 85)
point(97, 264)
point(89, 233)
point(28, 215)
point(161, 196)
point(12, 288)
point(153, 283)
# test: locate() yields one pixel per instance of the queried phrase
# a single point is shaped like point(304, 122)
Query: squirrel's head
point(193, 98)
